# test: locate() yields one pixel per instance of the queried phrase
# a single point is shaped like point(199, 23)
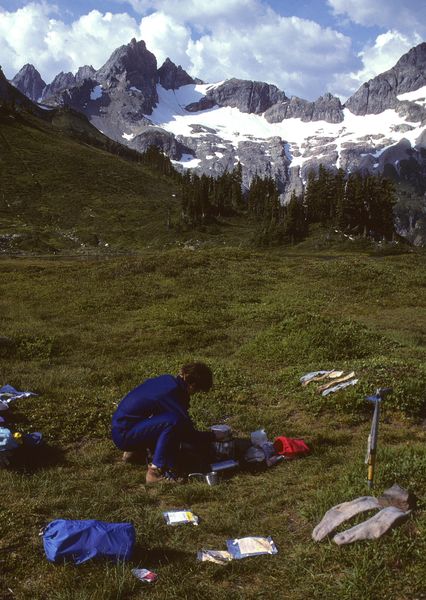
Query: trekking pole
point(370, 458)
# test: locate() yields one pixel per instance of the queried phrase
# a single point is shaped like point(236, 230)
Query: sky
point(305, 47)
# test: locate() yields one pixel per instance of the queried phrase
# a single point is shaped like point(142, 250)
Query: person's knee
point(175, 421)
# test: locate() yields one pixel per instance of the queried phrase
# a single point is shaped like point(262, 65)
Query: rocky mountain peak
point(172, 77)
point(86, 72)
point(416, 57)
point(380, 93)
point(28, 81)
point(131, 67)
point(14, 99)
point(61, 82)
point(131, 63)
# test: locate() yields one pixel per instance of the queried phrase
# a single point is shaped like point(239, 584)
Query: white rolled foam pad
point(342, 512)
point(372, 528)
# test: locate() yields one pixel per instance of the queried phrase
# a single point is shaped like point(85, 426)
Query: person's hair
point(198, 374)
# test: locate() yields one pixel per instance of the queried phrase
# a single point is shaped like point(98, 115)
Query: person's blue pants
point(162, 433)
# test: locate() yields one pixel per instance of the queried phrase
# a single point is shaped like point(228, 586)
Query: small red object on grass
point(290, 447)
point(145, 575)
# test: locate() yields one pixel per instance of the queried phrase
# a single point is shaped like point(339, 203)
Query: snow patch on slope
point(187, 161)
point(234, 126)
point(418, 96)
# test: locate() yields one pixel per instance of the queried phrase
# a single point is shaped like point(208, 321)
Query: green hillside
point(63, 187)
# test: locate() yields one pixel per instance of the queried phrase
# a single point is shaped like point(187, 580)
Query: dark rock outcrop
point(380, 93)
point(77, 97)
point(206, 103)
point(61, 82)
point(325, 108)
point(248, 96)
point(172, 77)
point(28, 81)
point(155, 136)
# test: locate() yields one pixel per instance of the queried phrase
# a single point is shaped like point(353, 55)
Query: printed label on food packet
point(176, 517)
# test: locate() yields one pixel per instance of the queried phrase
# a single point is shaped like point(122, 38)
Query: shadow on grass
point(32, 459)
point(322, 443)
point(160, 555)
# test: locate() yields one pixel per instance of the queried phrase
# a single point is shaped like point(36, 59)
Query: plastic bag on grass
point(251, 546)
point(219, 557)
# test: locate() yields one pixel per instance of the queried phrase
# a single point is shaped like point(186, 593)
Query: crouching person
point(155, 415)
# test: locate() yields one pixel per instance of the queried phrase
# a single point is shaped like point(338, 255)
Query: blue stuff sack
point(82, 540)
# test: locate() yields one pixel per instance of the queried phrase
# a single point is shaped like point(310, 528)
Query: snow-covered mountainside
point(220, 136)
point(212, 127)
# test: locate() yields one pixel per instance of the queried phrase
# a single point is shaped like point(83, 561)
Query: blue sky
point(305, 47)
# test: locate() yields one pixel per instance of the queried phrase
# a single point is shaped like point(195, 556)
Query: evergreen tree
point(236, 187)
point(295, 226)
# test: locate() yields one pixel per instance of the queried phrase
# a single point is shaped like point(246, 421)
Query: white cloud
point(376, 58)
point(212, 40)
point(403, 15)
point(385, 52)
point(405, 22)
point(165, 37)
point(289, 59)
point(299, 56)
point(33, 34)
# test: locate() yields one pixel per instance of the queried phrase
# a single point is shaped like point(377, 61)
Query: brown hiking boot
point(157, 475)
point(135, 457)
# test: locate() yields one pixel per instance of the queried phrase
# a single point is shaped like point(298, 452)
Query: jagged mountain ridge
point(210, 127)
point(29, 81)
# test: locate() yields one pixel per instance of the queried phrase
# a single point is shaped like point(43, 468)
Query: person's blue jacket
point(154, 396)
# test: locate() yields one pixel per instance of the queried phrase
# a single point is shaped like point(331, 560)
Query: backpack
point(82, 540)
point(290, 447)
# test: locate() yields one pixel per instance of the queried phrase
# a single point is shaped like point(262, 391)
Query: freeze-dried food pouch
point(176, 517)
point(251, 546)
point(219, 557)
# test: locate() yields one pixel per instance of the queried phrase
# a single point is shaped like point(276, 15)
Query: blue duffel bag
point(83, 540)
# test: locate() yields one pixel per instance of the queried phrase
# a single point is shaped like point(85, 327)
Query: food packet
point(177, 517)
point(219, 557)
point(251, 546)
point(145, 575)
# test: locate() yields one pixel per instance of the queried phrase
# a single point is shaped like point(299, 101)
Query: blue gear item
point(7, 441)
point(82, 540)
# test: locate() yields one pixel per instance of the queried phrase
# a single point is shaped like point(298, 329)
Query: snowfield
point(234, 126)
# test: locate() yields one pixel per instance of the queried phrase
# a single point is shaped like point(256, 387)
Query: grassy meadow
point(82, 332)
